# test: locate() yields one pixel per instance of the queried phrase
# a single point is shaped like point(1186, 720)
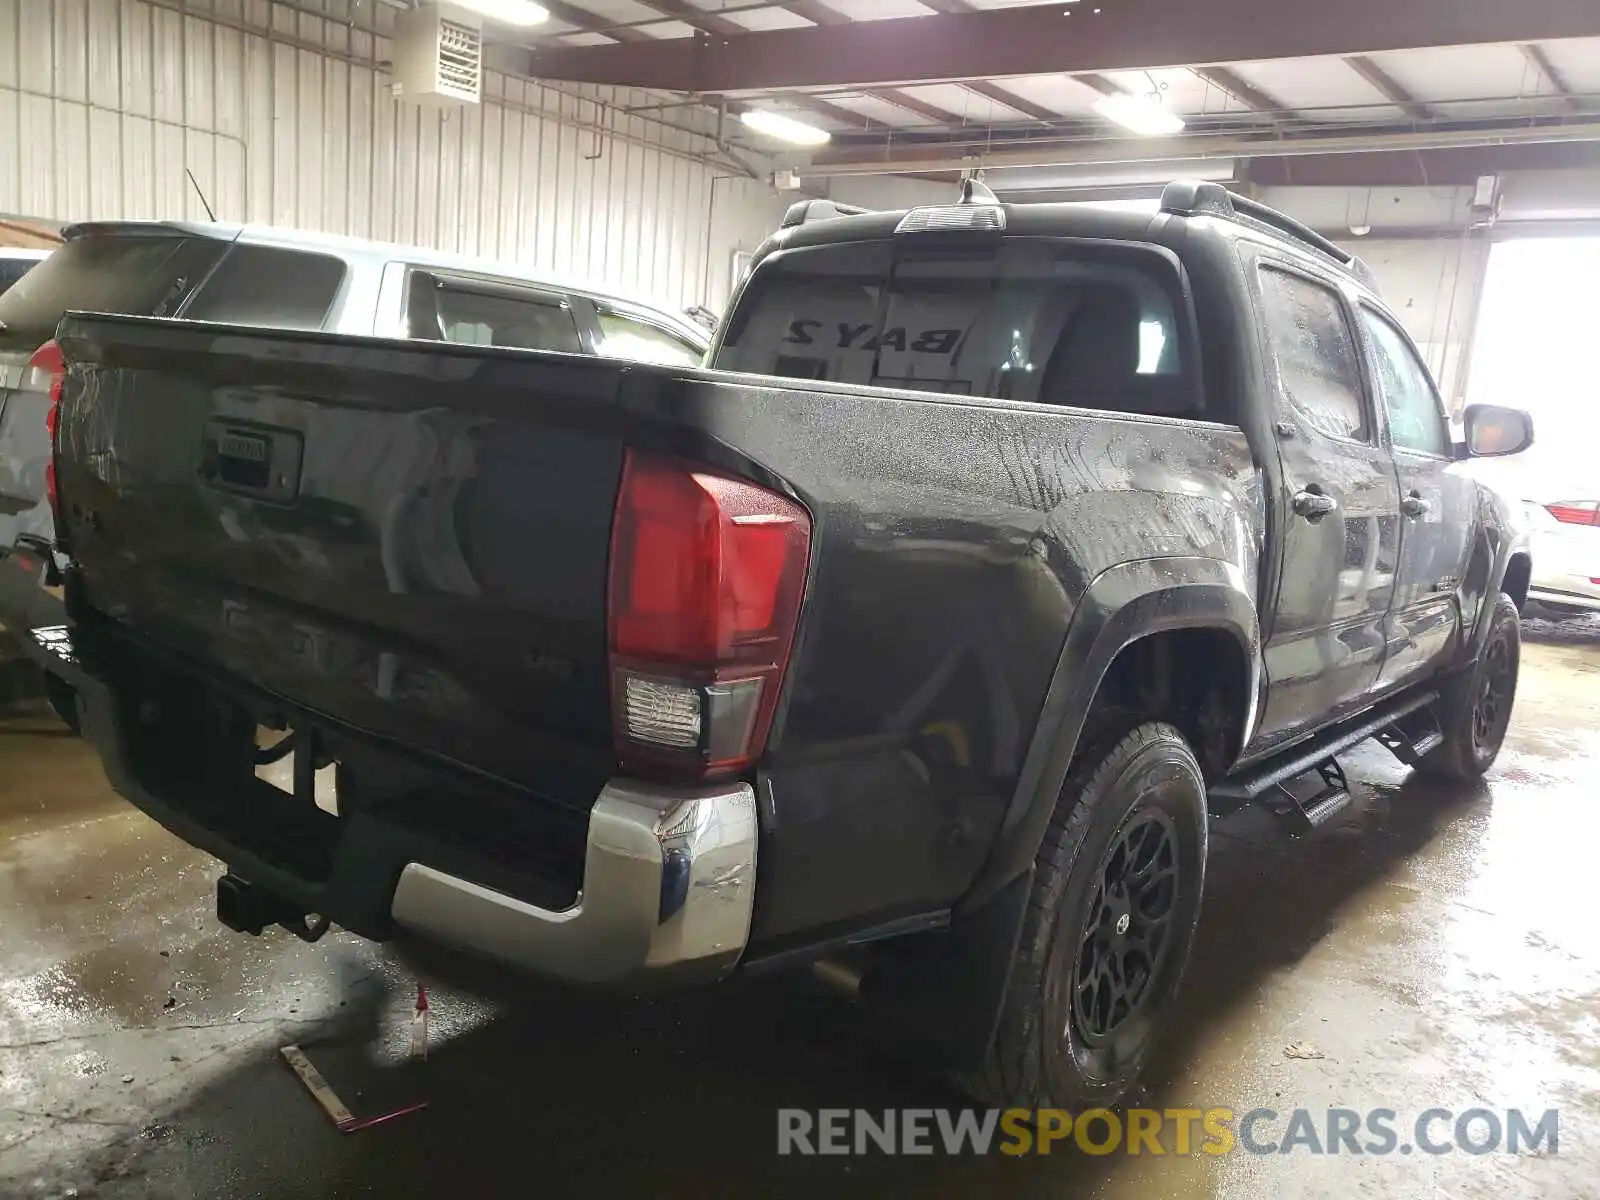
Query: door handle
point(1312, 504)
point(1414, 506)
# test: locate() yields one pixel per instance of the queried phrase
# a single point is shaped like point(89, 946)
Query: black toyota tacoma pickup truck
point(1002, 545)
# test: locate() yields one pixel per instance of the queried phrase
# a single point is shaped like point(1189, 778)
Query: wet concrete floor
point(1436, 948)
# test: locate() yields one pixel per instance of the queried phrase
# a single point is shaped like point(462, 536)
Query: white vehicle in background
point(273, 278)
point(285, 279)
point(1566, 556)
point(1564, 532)
point(15, 262)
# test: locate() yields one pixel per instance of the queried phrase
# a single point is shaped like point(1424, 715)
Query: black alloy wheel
point(1129, 931)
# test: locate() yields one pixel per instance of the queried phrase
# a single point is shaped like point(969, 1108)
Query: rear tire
point(1475, 706)
point(1109, 926)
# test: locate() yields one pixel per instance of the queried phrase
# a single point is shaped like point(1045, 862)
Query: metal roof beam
point(1458, 166)
point(1242, 90)
point(990, 91)
point(695, 18)
point(819, 13)
point(1539, 59)
point(1021, 104)
point(822, 108)
point(1390, 87)
point(591, 22)
point(1046, 39)
point(929, 112)
point(1071, 150)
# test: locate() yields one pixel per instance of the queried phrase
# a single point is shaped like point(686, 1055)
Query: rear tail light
point(1576, 512)
point(707, 574)
point(47, 371)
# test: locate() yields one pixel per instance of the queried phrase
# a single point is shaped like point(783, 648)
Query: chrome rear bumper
point(668, 884)
point(668, 887)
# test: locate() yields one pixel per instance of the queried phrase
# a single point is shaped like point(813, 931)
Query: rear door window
point(269, 286)
point(623, 336)
point(146, 275)
point(471, 314)
point(1100, 326)
point(13, 269)
point(1319, 367)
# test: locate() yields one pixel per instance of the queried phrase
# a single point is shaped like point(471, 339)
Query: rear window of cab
point(1044, 320)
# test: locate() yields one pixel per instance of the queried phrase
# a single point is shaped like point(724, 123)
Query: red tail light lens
point(707, 574)
point(1576, 512)
point(47, 371)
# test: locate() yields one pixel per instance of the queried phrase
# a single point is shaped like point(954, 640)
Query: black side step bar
point(1254, 781)
point(1316, 810)
point(1409, 743)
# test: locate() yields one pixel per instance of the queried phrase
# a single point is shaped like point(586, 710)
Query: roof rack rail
point(805, 211)
point(1364, 272)
point(1187, 197)
point(1257, 211)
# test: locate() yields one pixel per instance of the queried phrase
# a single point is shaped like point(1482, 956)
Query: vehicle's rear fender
point(1500, 562)
point(1124, 604)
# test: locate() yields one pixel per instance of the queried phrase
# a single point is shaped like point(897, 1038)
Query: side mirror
point(1493, 432)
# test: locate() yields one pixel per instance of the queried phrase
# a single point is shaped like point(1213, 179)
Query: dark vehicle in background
point(1005, 544)
point(287, 279)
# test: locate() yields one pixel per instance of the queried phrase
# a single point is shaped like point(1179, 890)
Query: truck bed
point(308, 516)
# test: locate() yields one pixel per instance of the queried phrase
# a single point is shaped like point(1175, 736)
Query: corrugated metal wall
point(284, 117)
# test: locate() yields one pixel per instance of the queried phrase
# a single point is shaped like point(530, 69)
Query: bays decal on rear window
point(845, 336)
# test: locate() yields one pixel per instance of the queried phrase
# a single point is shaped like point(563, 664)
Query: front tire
point(1475, 706)
point(1109, 927)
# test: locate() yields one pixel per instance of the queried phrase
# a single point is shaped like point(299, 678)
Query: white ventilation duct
point(438, 57)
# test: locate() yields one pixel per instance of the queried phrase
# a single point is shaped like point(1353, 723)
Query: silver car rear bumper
point(1565, 599)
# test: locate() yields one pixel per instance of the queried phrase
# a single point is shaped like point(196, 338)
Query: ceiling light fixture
point(785, 129)
point(1141, 114)
point(507, 12)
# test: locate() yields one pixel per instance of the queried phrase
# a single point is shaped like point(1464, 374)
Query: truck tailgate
point(408, 539)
